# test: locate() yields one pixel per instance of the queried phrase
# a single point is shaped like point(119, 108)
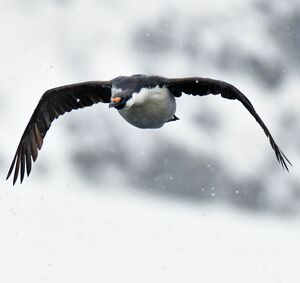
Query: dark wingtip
point(282, 159)
point(7, 177)
point(8, 174)
point(17, 168)
point(11, 168)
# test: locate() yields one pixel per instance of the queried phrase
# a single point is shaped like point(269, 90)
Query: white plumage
point(150, 108)
point(146, 102)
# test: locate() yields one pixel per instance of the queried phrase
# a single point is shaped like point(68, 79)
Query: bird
point(144, 101)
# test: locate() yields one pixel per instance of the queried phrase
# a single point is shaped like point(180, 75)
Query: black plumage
point(57, 101)
point(205, 86)
point(54, 102)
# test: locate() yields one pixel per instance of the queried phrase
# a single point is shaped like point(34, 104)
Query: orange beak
point(116, 99)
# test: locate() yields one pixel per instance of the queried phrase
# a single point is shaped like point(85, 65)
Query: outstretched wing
point(54, 102)
point(205, 86)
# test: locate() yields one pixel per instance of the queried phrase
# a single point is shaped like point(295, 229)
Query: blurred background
point(202, 198)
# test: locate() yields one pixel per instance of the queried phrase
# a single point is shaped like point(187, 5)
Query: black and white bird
point(143, 101)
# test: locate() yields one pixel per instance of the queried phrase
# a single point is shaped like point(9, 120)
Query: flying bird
point(143, 101)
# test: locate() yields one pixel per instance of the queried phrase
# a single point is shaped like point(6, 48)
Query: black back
point(137, 82)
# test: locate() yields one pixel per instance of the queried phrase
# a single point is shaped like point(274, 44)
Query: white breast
point(149, 108)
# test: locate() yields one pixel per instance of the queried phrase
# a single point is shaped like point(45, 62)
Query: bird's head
point(120, 100)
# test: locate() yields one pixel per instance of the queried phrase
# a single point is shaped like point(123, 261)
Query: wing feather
point(54, 103)
point(205, 86)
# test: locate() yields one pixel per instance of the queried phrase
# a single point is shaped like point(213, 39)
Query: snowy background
point(201, 200)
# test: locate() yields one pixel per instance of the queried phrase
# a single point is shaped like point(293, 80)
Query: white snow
point(50, 236)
